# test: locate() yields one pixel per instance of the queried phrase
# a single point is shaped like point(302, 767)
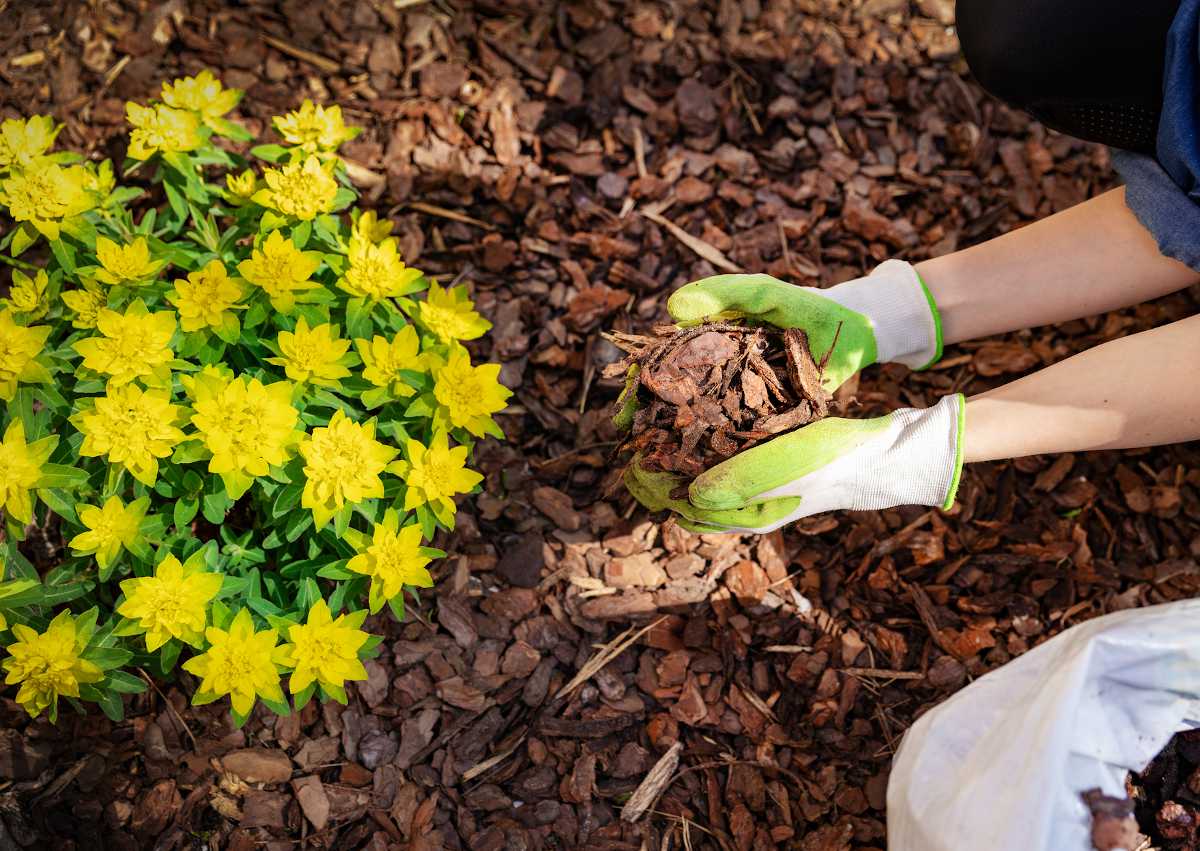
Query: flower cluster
point(246, 412)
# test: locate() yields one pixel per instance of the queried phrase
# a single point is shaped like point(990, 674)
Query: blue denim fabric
point(1165, 193)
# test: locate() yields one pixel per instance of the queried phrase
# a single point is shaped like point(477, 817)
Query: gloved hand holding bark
point(694, 454)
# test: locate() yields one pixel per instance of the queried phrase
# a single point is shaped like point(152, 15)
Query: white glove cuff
point(902, 312)
point(923, 463)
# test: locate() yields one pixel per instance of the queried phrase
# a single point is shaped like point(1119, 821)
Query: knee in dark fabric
point(995, 49)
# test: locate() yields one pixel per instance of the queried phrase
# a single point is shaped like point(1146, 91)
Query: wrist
point(901, 310)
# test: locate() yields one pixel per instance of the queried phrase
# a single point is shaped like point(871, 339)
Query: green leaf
point(302, 698)
point(229, 129)
point(61, 476)
point(168, 655)
point(263, 607)
point(221, 614)
point(23, 237)
point(310, 593)
point(287, 499)
point(64, 254)
point(85, 624)
point(358, 319)
point(271, 221)
point(60, 503)
point(344, 198)
point(179, 206)
point(215, 506)
point(124, 682)
point(112, 705)
point(57, 594)
point(282, 708)
point(296, 525)
point(185, 510)
point(335, 571)
point(396, 604)
point(301, 233)
point(108, 657)
point(255, 316)
point(49, 396)
point(270, 153)
point(127, 627)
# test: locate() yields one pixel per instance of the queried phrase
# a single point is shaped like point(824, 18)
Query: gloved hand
point(888, 315)
point(908, 457)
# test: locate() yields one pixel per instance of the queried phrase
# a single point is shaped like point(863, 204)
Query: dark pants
point(1089, 68)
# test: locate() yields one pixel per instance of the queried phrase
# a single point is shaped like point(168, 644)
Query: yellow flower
point(316, 355)
point(122, 264)
point(434, 474)
point(206, 298)
point(281, 270)
point(98, 178)
point(161, 128)
point(215, 375)
point(241, 186)
point(469, 395)
point(368, 227)
point(24, 140)
point(240, 663)
point(393, 559)
point(325, 651)
point(45, 194)
point(384, 359)
point(173, 603)
point(203, 94)
point(21, 469)
point(19, 346)
point(85, 304)
point(315, 128)
point(301, 190)
point(133, 427)
point(131, 345)
point(48, 664)
point(109, 529)
point(28, 295)
point(342, 465)
point(450, 314)
point(248, 427)
point(376, 271)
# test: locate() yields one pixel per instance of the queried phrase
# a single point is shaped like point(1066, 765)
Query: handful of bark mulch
point(1162, 809)
point(707, 392)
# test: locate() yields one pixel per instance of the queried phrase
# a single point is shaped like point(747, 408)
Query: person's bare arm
point(1136, 391)
point(1083, 261)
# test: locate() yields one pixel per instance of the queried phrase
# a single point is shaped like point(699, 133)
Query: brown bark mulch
point(581, 160)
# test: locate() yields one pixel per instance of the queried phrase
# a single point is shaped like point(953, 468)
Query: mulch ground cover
point(578, 161)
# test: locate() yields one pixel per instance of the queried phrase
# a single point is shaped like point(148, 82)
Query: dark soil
point(705, 393)
point(584, 159)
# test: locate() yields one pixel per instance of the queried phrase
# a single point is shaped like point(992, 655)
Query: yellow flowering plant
point(244, 413)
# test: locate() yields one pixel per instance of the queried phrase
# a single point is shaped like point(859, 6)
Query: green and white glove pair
point(908, 457)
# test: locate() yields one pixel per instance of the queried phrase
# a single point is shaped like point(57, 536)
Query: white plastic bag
point(1002, 763)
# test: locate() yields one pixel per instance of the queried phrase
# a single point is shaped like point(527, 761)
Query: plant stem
point(18, 264)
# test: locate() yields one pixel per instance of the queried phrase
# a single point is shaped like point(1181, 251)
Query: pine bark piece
point(707, 392)
point(653, 785)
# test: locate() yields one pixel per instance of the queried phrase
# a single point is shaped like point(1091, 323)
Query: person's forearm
point(1083, 261)
point(1135, 391)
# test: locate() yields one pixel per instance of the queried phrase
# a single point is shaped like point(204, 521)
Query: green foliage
point(224, 396)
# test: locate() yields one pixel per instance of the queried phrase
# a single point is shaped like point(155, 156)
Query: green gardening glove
point(888, 315)
point(908, 457)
